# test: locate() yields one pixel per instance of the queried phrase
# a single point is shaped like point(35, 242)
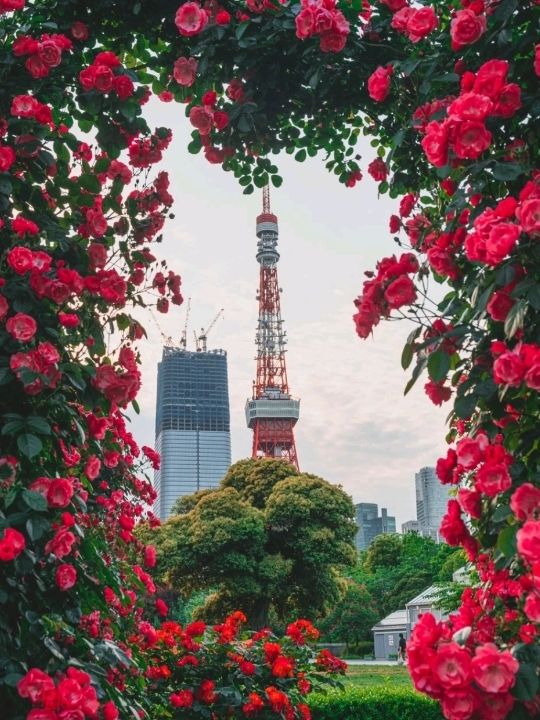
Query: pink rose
point(65, 578)
point(12, 543)
point(499, 305)
point(525, 502)
point(190, 19)
point(305, 23)
point(469, 453)
point(528, 541)
point(22, 327)
point(421, 23)
point(379, 83)
point(184, 71)
point(532, 607)
point(50, 53)
point(466, 27)
point(452, 665)
point(7, 158)
point(400, 292)
point(60, 492)
point(472, 138)
point(529, 216)
point(493, 479)
point(508, 369)
point(201, 118)
point(34, 684)
point(494, 671)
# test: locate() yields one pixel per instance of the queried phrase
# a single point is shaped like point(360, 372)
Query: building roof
point(395, 621)
point(426, 597)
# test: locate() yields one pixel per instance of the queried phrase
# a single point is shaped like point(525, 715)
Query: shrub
point(359, 649)
point(373, 704)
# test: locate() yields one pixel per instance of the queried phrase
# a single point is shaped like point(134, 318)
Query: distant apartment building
point(192, 424)
point(431, 502)
point(370, 524)
point(411, 526)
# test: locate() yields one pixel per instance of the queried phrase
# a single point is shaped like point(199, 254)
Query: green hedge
point(374, 704)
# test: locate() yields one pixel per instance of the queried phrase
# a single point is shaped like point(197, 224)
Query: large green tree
point(267, 538)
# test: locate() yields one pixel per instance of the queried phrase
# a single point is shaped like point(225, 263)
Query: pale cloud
point(356, 428)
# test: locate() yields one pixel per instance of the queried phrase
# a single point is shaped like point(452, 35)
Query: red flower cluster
point(415, 23)
point(101, 76)
point(497, 231)
point(389, 290)
point(517, 366)
point(463, 132)
point(70, 695)
point(27, 106)
point(12, 543)
point(468, 682)
point(43, 54)
point(320, 17)
point(378, 83)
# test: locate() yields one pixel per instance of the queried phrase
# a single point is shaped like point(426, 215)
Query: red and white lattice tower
point(272, 413)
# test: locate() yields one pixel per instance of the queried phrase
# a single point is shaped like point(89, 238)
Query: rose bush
point(447, 95)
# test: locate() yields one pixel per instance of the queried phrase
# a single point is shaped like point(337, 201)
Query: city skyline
point(357, 429)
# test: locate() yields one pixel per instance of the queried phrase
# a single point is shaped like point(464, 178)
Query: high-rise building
point(411, 526)
point(192, 424)
point(271, 412)
point(431, 502)
point(370, 524)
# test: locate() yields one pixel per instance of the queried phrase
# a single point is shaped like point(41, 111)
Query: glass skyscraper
point(370, 524)
point(192, 424)
point(431, 502)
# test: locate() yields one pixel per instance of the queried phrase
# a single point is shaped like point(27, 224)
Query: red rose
point(421, 23)
point(501, 241)
point(79, 31)
point(92, 467)
point(453, 529)
point(537, 60)
point(525, 502)
point(22, 226)
point(532, 607)
point(60, 492)
point(21, 327)
point(69, 320)
point(221, 119)
point(61, 544)
point(490, 78)
point(394, 5)
point(528, 541)
point(466, 27)
point(470, 106)
point(437, 392)
point(332, 41)
point(435, 143)
point(182, 699)
point(394, 224)
point(493, 479)
point(184, 71)
point(442, 263)
point(201, 118)
point(283, 667)
point(4, 307)
point(110, 711)
point(34, 684)
point(87, 77)
point(65, 578)
point(12, 543)
point(7, 158)
point(508, 369)
point(451, 665)
point(50, 53)
point(458, 704)
point(400, 292)
point(24, 106)
point(470, 502)
point(103, 78)
point(472, 138)
point(123, 86)
point(305, 23)
point(499, 305)
point(379, 83)
point(528, 214)
point(494, 671)
point(469, 453)
point(509, 101)
point(190, 19)
point(223, 17)
point(378, 170)
point(150, 557)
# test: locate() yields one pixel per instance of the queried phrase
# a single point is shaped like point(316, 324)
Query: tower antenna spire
point(266, 199)
point(271, 412)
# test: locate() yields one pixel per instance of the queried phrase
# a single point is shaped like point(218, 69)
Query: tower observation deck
point(271, 413)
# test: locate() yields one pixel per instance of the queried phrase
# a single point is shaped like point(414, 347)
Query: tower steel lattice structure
point(271, 413)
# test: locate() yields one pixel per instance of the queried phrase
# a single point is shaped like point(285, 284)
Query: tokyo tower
point(271, 413)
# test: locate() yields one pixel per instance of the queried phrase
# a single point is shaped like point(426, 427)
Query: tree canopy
point(267, 537)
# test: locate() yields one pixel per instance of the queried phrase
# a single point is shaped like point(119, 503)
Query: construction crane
point(183, 339)
point(201, 340)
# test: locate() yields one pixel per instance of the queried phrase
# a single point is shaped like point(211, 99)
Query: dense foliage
point(267, 539)
point(448, 92)
point(377, 703)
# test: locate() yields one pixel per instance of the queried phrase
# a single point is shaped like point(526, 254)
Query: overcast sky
point(356, 428)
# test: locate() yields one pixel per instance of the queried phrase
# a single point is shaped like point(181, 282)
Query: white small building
point(421, 604)
point(386, 634)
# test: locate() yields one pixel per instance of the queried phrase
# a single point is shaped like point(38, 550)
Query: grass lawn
point(377, 675)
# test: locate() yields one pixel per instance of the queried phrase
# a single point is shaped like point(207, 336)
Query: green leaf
point(407, 356)
point(39, 425)
point(90, 183)
point(527, 682)
point(465, 405)
point(506, 542)
point(515, 318)
point(36, 526)
point(438, 365)
point(34, 500)
point(30, 445)
point(507, 171)
point(300, 155)
point(277, 180)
